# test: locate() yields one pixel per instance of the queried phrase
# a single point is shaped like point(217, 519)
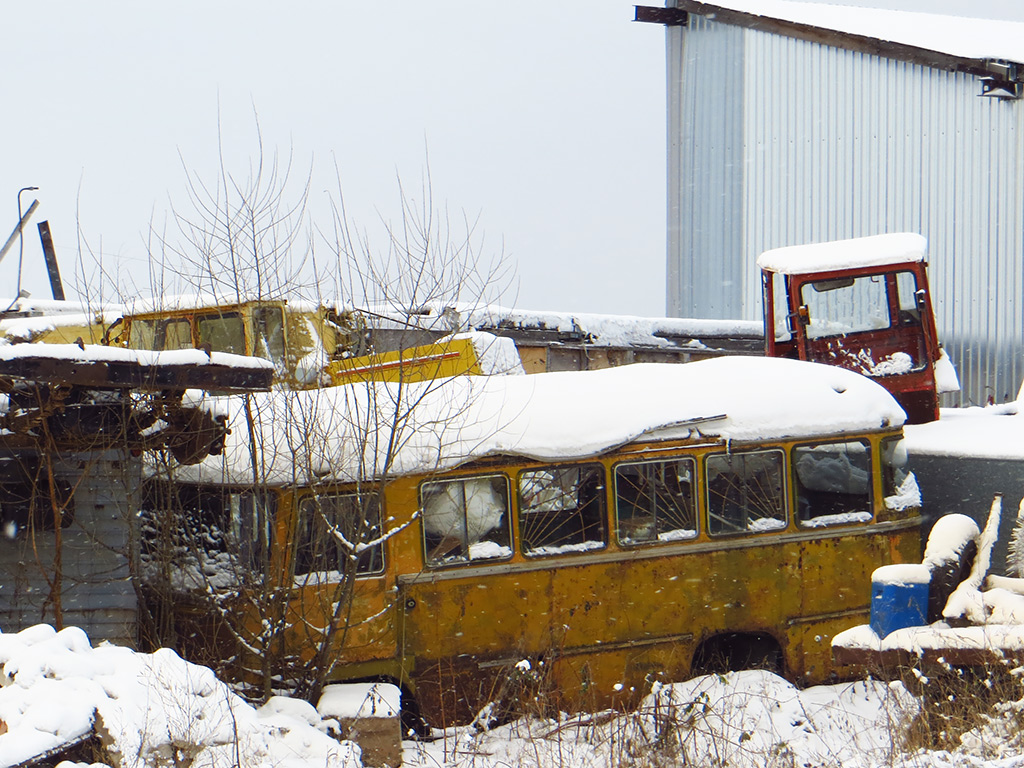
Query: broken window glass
point(466, 520)
point(26, 504)
point(561, 510)
point(338, 531)
point(833, 483)
point(654, 501)
point(745, 493)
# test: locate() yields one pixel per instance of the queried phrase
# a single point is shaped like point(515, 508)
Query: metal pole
point(17, 229)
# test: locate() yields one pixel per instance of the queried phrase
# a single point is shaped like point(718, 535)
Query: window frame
point(601, 498)
point(315, 518)
point(783, 494)
point(465, 560)
point(694, 501)
point(797, 485)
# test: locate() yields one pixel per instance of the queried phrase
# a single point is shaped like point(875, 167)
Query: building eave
point(980, 67)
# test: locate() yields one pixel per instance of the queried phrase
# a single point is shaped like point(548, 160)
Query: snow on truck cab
point(862, 304)
point(612, 527)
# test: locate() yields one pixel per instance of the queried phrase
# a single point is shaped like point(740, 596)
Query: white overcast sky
point(544, 119)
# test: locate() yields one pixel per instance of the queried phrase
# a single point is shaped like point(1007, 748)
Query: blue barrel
point(899, 597)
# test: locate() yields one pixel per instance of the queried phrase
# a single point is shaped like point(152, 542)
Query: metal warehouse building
point(793, 122)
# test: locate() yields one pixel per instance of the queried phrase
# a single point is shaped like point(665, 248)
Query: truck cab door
point(876, 322)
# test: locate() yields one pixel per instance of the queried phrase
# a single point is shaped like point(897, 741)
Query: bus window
point(332, 528)
point(561, 509)
point(654, 501)
point(203, 524)
point(833, 483)
point(224, 333)
point(465, 520)
point(745, 493)
point(899, 486)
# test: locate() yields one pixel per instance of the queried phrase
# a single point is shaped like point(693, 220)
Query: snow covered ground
point(157, 710)
point(150, 709)
point(750, 719)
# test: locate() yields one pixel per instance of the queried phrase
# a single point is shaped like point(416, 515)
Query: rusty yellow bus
point(610, 527)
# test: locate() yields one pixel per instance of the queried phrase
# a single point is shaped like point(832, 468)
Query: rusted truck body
point(604, 529)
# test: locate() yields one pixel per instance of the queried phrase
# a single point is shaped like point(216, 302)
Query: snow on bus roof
point(341, 433)
point(969, 38)
point(858, 252)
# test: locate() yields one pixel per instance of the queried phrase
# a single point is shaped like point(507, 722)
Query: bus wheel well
point(733, 651)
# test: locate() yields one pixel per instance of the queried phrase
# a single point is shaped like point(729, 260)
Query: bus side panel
point(367, 627)
point(836, 592)
point(461, 633)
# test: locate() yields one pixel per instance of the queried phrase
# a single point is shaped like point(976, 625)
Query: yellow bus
point(611, 528)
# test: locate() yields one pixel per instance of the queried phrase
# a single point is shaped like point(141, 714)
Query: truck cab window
point(847, 305)
point(561, 510)
point(268, 335)
point(906, 292)
point(465, 520)
point(745, 493)
point(833, 483)
point(223, 332)
point(654, 501)
point(160, 335)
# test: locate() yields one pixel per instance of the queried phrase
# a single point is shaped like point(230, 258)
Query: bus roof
point(342, 434)
point(896, 248)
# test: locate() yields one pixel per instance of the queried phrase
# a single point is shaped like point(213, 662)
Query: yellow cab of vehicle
point(605, 529)
point(311, 345)
point(300, 338)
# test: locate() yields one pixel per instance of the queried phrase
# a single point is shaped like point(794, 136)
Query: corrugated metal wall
point(706, 157)
point(841, 144)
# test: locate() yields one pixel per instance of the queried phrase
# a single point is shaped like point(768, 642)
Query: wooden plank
point(56, 286)
point(118, 374)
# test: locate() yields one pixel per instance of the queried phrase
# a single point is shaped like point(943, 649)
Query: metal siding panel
point(710, 172)
point(97, 593)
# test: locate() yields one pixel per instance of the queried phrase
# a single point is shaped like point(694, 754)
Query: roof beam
point(860, 43)
point(670, 17)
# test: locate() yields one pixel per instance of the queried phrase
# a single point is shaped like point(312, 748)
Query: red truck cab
point(861, 304)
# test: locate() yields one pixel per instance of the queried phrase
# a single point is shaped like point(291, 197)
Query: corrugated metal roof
point(958, 36)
